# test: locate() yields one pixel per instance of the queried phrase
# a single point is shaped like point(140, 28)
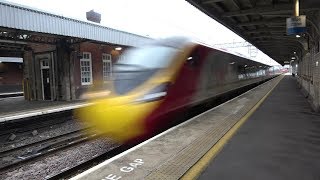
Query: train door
point(45, 79)
point(186, 81)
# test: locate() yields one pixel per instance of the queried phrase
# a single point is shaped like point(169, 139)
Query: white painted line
point(153, 138)
point(43, 111)
point(1, 94)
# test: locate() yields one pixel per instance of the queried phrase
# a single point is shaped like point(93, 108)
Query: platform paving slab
point(15, 108)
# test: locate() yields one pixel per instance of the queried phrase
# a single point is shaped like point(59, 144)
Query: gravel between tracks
point(43, 133)
point(55, 163)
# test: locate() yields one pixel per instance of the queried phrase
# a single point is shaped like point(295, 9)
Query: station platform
point(13, 108)
point(281, 140)
point(268, 132)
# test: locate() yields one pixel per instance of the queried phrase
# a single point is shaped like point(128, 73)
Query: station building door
point(45, 79)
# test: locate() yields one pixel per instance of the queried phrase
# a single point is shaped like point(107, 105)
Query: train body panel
point(223, 72)
point(147, 96)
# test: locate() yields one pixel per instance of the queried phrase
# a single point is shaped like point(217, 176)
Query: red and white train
point(155, 82)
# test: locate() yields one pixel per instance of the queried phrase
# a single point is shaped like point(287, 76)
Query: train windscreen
point(150, 57)
point(139, 65)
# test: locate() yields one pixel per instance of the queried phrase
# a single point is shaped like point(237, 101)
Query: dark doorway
point(46, 84)
point(45, 74)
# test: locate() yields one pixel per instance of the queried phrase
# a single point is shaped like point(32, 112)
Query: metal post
point(296, 8)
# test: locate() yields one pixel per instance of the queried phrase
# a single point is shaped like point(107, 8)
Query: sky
point(154, 18)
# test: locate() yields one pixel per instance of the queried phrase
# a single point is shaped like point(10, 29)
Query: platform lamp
point(118, 48)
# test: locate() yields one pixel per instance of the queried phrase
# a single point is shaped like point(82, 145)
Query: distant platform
point(11, 94)
point(17, 107)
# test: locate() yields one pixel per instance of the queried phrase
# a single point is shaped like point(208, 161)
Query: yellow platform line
point(200, 166)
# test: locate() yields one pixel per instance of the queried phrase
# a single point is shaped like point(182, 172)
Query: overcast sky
point(155, 18)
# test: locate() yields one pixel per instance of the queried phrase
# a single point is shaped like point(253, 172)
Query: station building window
point(106, 66)
point(86, 69)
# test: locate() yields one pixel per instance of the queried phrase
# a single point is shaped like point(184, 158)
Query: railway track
point(9, 95)
point(18, 156)
point(26, 125)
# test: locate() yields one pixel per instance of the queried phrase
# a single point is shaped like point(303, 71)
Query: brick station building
point(62, 57)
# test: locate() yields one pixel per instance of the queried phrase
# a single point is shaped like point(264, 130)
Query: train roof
point(231, 52)
point(181, 42)
point(175, 42)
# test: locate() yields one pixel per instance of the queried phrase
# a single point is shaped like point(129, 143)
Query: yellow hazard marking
point(200, 166)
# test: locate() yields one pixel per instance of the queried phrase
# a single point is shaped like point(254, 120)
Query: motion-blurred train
point(157, 81)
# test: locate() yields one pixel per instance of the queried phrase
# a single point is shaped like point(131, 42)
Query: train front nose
point(123, 117)
point(119, 119)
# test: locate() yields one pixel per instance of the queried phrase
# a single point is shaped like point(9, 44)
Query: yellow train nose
point(120, 121)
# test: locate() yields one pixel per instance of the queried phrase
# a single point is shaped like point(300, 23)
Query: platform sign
point(93, 16)
point(296, 25)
